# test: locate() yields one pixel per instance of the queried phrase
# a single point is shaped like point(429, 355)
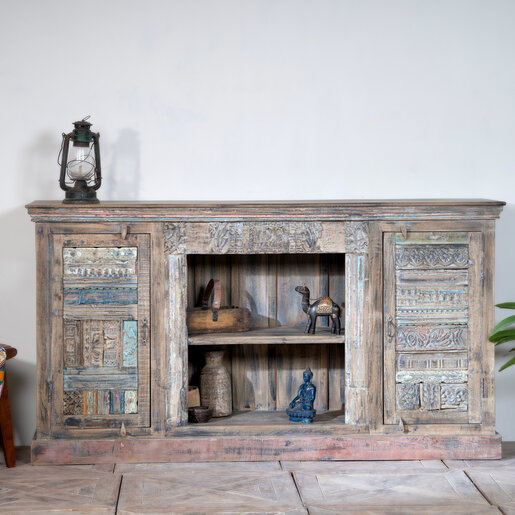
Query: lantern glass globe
point(81, 163)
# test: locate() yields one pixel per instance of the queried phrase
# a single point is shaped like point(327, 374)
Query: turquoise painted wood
point(130, 343)
point(94, 296)
point(126, 381)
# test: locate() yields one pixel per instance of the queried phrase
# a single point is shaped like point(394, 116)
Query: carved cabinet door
point(432, 327)
point(100, 331)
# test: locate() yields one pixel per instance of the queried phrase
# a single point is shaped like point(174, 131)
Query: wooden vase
point(215, 385)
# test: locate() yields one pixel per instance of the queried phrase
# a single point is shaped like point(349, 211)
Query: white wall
point(253, 99)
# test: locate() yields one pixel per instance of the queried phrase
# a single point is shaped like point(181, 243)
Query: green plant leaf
point(506, 335)
point(506, 305)
point(503, 340)
point(502, 325)
point(508, 364)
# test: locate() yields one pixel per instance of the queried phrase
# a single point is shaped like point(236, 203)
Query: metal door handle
point(144, 335)
point(390, 328)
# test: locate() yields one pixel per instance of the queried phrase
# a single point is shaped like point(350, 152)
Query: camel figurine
point(324, 306)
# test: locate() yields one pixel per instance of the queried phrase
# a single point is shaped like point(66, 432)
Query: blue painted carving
point(122, 402)
point(111, 402)
point(130, 343)
point(87, 296)
point(301, 407)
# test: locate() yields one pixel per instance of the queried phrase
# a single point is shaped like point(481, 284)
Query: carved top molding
point(245, 237)
point(270, 237)
point(329, 210)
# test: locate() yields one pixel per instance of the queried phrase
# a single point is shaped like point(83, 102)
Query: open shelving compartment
point(266, 363)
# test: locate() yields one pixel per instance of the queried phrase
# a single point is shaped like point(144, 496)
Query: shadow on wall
point(39, 169)
point(122, 177)
point(21, 376)
point(504, 292)
point(38, 178)
point(18, 318)
point(504, 251)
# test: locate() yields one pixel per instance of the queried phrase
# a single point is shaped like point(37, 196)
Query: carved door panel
point(432, 333)
point(101, 331)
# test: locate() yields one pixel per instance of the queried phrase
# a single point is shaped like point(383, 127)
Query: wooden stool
point(6, 427)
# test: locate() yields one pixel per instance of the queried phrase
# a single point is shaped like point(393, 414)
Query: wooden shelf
point(262, 423)
point(274, 336)
point(273, 418)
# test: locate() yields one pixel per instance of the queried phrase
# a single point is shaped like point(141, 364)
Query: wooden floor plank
point(216, 466)
point(36, 490)
point(208, 492)
point(497, 485)
point(353, 467)
point(465, 509)
point(433, 465)
point(374, 490)
point(170, 510)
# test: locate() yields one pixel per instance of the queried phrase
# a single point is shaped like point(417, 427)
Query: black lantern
point(80, 166)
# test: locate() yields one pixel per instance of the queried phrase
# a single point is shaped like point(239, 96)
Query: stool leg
point(6, 428)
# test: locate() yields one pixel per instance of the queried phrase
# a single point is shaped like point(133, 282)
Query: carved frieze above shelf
point(273, 336)
point(264, 237)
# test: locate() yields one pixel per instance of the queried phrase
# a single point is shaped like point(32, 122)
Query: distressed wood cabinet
point(411, 377)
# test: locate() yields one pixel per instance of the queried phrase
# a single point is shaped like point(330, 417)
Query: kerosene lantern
point(80, 165)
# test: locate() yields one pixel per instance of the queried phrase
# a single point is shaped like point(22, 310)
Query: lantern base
point(80, 193)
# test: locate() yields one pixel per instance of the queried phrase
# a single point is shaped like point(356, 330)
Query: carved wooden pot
point(215, 385)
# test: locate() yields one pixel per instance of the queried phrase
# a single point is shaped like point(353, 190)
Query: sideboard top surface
point(198, 211)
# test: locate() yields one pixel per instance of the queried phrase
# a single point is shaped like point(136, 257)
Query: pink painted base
point(229, 448)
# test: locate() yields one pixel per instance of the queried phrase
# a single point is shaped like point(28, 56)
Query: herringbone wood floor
point(318, 488)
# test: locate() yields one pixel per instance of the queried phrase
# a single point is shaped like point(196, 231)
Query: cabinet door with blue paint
point(102, 331)
point(432, 333)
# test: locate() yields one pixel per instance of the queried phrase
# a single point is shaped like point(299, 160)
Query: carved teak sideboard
point(411, 376)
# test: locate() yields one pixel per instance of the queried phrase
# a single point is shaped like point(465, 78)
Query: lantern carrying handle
point(64, 152)
point(98, 168)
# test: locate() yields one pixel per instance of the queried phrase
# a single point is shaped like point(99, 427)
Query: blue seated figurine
point(301, 407)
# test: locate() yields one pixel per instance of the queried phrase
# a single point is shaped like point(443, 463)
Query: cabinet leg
point(6, 428)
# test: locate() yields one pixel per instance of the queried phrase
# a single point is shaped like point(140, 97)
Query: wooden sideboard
point(411, 377)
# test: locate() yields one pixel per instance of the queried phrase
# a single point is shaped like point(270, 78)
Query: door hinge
point(124, 229)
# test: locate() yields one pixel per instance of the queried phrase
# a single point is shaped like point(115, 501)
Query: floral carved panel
point(356, 237)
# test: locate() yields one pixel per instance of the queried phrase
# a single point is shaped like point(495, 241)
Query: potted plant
point(504, 332)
